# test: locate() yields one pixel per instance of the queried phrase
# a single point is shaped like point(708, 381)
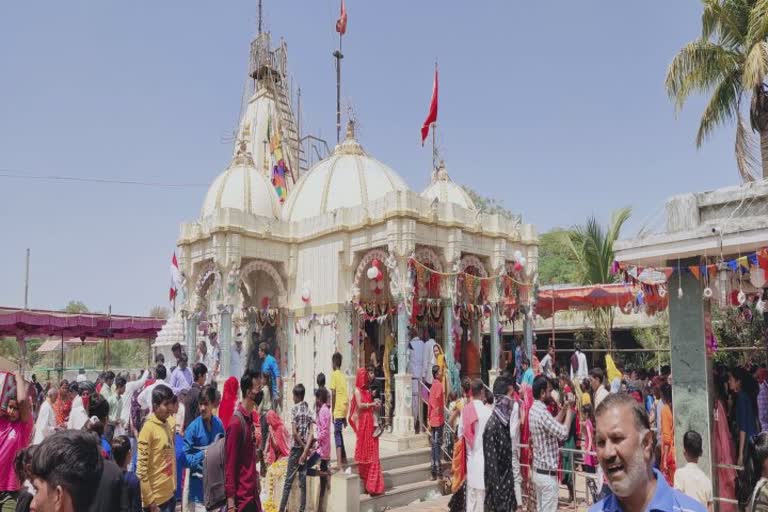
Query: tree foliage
point(160, 312)
point(557, 265)
point(738, 327)
point(489, 205)
point(729, 62)
point(655, 339)
point(75, 306)
point(591, 246)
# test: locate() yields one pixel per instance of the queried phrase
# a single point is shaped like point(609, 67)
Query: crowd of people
point(164, 440)
point(556, 422)
point(168, 440)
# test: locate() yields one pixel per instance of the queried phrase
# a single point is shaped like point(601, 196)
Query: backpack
point(214, 472)
point(137, 414)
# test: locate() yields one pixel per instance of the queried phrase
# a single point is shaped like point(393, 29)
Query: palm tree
point(730, 60)
point(592, 247)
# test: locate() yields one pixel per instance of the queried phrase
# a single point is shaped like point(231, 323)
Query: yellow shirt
point(156, 462)
point(339, 385)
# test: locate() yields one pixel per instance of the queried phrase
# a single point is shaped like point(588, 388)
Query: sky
point(558, 109)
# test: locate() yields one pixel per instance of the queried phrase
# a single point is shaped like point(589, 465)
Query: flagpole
point(338, 55)
point(434, 135)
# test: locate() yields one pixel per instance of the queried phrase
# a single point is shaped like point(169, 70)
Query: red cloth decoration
point(341, 23)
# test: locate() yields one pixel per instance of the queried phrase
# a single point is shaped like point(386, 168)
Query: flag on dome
point(341, 23)
point(278, 180)
point(432, 116)
point(175, 281)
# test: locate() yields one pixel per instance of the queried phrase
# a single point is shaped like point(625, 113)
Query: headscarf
point(361, 383)
point(502, 408)
point(469, 420)
point(279, 447)
point(228, 400)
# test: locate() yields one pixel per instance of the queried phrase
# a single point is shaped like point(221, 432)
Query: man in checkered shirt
point(547, 433)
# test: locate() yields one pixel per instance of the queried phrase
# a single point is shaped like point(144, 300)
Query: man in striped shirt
point(547, 432)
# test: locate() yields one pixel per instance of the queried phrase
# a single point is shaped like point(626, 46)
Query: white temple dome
point(242, 187)
point(348, 178)
point(445, 190)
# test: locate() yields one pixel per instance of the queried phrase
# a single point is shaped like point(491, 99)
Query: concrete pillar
point(495, 338)
point(225, 340)
point(450, 343)
point(344, 327)
point(190, 335)
point(290, 335)
point(691, 369)
point(402, 340)
point(403, 419)
point(528, 333)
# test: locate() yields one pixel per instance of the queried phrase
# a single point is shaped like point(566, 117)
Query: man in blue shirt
point(625, 448)
point(270, 367)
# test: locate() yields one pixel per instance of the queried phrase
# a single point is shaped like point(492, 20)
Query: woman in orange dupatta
point(367, 446)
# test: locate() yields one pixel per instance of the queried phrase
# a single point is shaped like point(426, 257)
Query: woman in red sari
point(367, 446)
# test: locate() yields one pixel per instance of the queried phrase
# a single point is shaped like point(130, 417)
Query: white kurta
point(125, 412)
point(45, 424)
point(475, 454)
point(78, 417)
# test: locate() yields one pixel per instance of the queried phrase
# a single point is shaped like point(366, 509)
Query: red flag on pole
point(432, 116)
point(341, 23)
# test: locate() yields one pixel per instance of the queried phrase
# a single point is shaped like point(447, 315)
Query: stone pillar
point(290, 341)
point(190, 335)
point(225, 340)
point(344, 346)
point(494, 371)
point(450, 343)
point(403, 422)
point(528, 333)
point(402, 340)
point(691, 368)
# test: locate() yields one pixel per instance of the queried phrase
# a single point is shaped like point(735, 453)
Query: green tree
point(488, 205)
point(557, 265)
point(729, 61)
point(160, 312)
point(655, 339)
point(591, 246)
point(737, 327)
point(75, 306)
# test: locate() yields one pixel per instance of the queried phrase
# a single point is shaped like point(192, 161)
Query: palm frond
point(723, 106)
point(758, 23)
point(746, 150)
point(726, 21)
point(699, 66)
point(755, 66)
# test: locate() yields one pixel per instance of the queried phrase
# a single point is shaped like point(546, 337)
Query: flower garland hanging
point(303, 325)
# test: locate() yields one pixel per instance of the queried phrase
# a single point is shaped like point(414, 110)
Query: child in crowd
point(690, 479)
point(339, 407)
point(121, 452)
point(156, 462)
point(302, 440)
point(588, 445)
point(323, 453)
point(21, 466)
point(321, 380)
point(199, 435)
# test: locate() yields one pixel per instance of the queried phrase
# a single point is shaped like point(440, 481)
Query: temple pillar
point(190, 334)
point(344, 345)
point(225, 340)
point(528, 332)
point(403, 420)
point(290, 342)
point(494, 371)
point(691, 368)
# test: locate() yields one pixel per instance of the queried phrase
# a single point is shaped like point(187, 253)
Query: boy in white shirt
point(690, 479)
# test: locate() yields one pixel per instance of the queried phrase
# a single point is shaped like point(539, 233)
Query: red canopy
point(35, 322)
point(597, 296)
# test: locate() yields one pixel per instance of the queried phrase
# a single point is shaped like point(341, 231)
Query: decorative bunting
point(694, 269)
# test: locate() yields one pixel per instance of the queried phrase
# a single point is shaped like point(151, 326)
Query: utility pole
point(26, 283)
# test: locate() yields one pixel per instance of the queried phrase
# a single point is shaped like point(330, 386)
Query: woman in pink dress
point(367, 446)
point(726, 477)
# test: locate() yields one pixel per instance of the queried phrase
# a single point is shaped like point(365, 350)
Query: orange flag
point(695, 271)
